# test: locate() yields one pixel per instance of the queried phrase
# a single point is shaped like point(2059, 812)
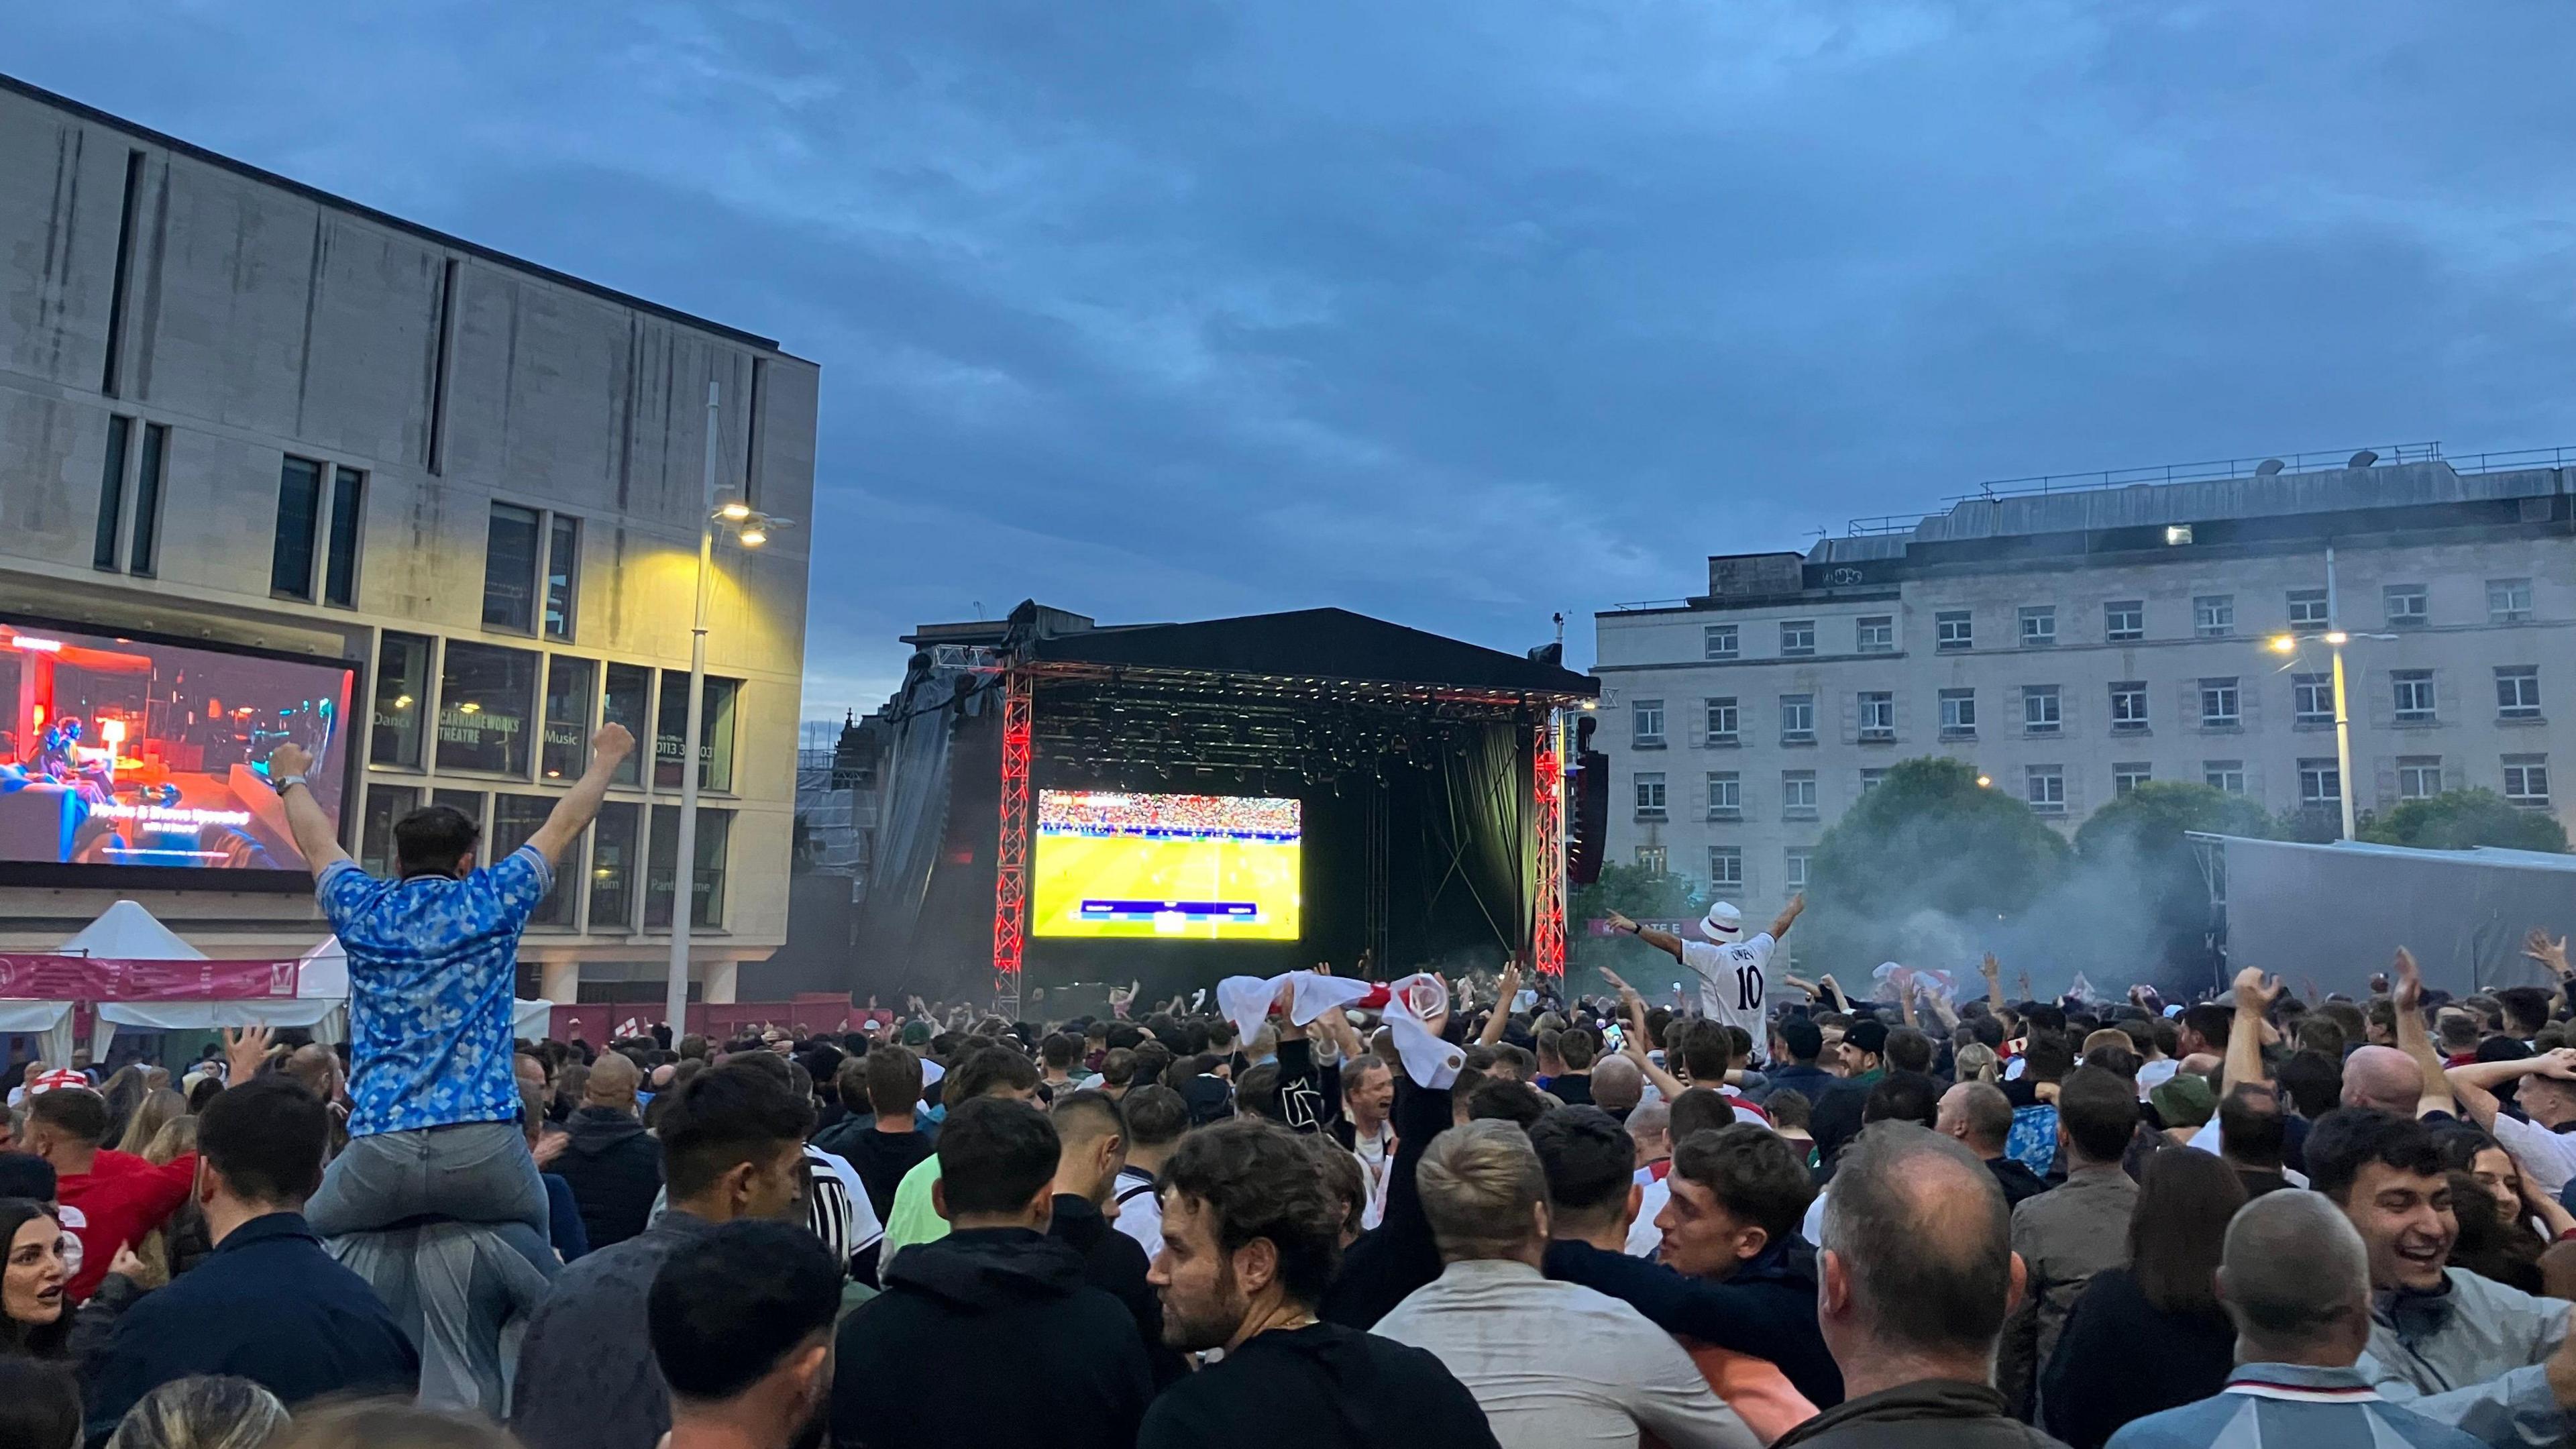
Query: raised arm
point(1993, 971)
point(2408, 999)
point(1788, 916)
point(2255, 993)
point(2475, 1083)
point(1664, 941)
point(580, 805)
point(304, 818)
point(1502, 1013)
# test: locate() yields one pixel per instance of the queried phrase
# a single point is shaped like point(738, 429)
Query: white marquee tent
point(127, 931)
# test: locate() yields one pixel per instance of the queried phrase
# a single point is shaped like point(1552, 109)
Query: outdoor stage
point(1406, 787)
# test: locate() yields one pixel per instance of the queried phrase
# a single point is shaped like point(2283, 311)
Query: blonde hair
point(176, 1139)
point(1977, 1062)
point(159, 1108)
point(1478, 1184)
point(202, 1413)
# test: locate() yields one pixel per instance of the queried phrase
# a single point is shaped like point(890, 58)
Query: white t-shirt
point(1377, 1166)
point(1731, 983)
point(1644, 1238)
point(2547, 1158)
point(1136, 1211)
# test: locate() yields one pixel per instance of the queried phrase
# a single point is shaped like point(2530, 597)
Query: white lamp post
point(2334, 638)
point(751, 528)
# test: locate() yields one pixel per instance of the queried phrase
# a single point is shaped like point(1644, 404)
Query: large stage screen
point(120, 753)
point(1177, 867)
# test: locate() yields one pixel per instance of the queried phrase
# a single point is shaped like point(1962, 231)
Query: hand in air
point(289, 759)
point(614, 742)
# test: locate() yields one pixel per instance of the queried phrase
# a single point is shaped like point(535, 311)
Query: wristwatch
point(280, 784)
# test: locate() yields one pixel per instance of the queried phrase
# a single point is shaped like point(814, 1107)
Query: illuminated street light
point(751, 528)
point(2337, 638)
point(1985, 782)
point(2284, 643)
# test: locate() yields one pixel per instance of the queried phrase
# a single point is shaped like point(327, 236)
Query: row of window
point(1726, 865)
point(530, 556)
point(616, 854)
point(2213, 616)
point(2221, 705)
point(493, 720)
point(2525, 779)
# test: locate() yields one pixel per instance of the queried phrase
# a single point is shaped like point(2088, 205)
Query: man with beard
point(2452, 1346)
point(1251, 1236)
point(741, 1321)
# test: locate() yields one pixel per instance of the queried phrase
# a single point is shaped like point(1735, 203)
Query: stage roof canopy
point(1319, 644)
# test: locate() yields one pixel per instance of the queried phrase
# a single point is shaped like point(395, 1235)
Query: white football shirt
point(1731, 983)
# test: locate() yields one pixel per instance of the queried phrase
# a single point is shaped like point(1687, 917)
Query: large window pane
point(630, 703)
point(111, 492)
point(340, 571)
point(563, 557)
point(568, 692)
point(402, 695)
point(715, 732)
point(145, 556)
point(510, 569)
point(714, 829)
point(514, 819)
point(468, 802)
point(385, 805)
point(487, 696)
point(612, 867)
point(299, 512)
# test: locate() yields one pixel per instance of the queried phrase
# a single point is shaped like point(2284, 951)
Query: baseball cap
point(1869, 1034)
point(56, 1080)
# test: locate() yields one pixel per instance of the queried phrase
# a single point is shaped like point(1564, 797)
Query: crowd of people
point(1305, 1214)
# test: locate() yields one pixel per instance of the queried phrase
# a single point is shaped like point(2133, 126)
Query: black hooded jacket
point(615, 1170)
point(1323, 1386)
point(1055, 1362)
point(1115, 1264)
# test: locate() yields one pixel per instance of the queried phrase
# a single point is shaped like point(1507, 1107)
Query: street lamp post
point(751, 529)
point(2333, 638)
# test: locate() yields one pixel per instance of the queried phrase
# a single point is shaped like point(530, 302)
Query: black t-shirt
point(881, 1159)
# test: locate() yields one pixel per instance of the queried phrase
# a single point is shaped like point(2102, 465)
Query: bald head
point(2383, 1079)
point(1978, 1114)
point(613, 1080)
point(2296, 1279)
point(1921, 1244)
point(1617, 1085)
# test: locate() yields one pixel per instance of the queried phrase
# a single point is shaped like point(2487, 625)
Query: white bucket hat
point(1723, 923)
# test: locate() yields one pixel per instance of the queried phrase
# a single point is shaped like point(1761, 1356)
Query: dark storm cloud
point(1458, 313)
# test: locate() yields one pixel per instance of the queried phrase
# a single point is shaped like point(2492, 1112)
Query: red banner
point(105, 978)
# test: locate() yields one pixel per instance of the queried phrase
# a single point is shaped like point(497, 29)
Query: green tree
point(2139, 838)
point(1928, 839)
point(2464, 819)
point(1640, 895)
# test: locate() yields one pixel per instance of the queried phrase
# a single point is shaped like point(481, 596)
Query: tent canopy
point(126, 931)
point(324, 971)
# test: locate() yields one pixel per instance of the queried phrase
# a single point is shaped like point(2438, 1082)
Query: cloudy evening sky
point(1455, 313)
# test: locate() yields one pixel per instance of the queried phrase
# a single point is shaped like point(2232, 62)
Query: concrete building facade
point(2075, 642)
point(237, 410)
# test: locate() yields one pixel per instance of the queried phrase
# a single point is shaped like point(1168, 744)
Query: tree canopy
point(2465, 819)
point(1929, 840)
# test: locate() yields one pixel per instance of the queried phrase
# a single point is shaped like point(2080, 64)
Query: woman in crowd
point(2150, 1336)
point(159, 1109)
point(35, 1311)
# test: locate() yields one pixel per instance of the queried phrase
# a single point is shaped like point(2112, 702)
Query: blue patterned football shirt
point(433, 972)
